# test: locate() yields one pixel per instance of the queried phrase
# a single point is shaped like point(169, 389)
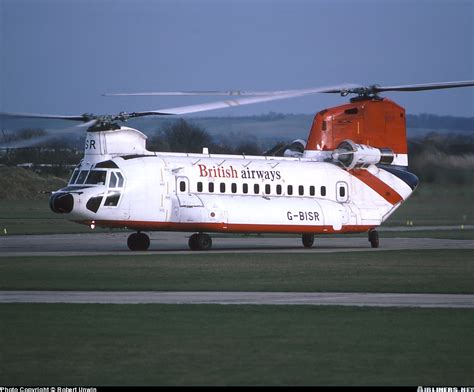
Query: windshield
point(82, 177)
point(96, 177)
point(74, 176)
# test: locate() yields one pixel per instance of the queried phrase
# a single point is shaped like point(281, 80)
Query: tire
point(204, 241)
point(200, 241)
point(374, 238)
point(308, 240)
point(138, 241)
point(193, 242)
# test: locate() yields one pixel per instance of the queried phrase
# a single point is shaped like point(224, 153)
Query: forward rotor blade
point(44, 116)
point(27, 143)
point(424, 86)
point(55, 134)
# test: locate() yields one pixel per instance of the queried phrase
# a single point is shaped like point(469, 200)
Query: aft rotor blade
point(189, 93)
point(425, 86)
point(276, 95)
point(336, 89)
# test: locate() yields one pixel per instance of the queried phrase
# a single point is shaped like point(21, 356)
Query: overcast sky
point(59, 56)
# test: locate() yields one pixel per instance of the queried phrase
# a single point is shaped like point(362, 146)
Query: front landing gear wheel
point(308, 240)
point(138, 241)
point(200, 241)
point(374, 238)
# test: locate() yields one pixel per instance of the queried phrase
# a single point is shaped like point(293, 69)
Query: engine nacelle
point(353, 155)
point(296, 149)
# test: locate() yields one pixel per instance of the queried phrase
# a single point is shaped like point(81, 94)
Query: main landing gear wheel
point(308, 240)
point(374, 238)
point(138, 241)
point(200, 241)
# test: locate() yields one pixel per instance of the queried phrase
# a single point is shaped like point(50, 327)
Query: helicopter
point(349, 176)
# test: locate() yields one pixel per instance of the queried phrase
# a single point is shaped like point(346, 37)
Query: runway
point(241, 298)
point(177, 243)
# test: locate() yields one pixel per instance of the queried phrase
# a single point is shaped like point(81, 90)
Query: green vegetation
point(34, 217)
point(436, 204)
point(17, 183)
point(234, 345)
point(444, 160)
point(429, 271)
point(458, 234)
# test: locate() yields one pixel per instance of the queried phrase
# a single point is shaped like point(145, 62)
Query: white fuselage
point(224, 193)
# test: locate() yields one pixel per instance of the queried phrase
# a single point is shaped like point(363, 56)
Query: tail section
point(365, 131)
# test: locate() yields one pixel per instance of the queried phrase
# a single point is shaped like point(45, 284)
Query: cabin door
point(183, 192)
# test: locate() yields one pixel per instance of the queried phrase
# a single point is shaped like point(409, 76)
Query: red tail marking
point(384, 190)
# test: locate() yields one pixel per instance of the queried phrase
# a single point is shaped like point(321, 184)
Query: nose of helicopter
point(61, 203)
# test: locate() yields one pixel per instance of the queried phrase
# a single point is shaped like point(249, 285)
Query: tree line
point(433, 158)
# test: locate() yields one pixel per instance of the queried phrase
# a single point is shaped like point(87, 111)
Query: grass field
point(34, 217)
point(432, 271)
point(233, 345)
point(62, 344)
point(437, 204)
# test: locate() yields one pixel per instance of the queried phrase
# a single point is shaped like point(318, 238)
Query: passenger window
point(234, 187)
point(342, 191)
point(278, 189)
point(290, 190)
point(222, 187)
point(256, 189)
point(323, 191)
point(211, 187)
point(312, 190)
point(301, 190)
point(113, 180)
point(199, 186)
point(267, 189)
point(245, 188)
point(182, 186)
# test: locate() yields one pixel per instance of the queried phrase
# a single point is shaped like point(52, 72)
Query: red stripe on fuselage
point(383, 189)
point(228, 227)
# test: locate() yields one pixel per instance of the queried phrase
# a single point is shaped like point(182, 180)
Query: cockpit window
point(113, 180)
point(82, 177)
point(116, 180)
point(74, 176)
point(120, 180)
point(96, 177)
point(112, 199)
